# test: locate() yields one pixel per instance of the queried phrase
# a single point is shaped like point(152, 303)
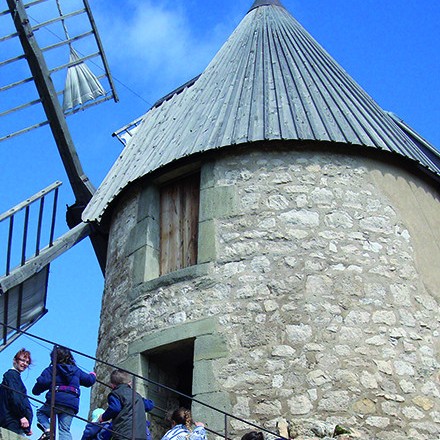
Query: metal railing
point(224, 416)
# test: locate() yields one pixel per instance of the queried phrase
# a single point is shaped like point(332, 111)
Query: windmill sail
point(81, 84)
point(83, 89)
point(23, 287)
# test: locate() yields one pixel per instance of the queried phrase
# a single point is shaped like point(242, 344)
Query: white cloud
point(156, 39)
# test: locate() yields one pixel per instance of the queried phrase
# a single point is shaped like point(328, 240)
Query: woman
point(68, 380)
point(181, 427)
point(15, 408)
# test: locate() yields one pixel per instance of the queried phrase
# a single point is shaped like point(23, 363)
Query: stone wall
point(317, 282)
point(9, 435)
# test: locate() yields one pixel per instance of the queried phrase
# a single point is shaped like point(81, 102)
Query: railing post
point(9, 249)
point(133, 402)
point(226, 427)
point(53, 390)
point(54, 214)
point(25, 234)
point(40, 222)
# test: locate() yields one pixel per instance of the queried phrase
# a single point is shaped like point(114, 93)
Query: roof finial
point(258, 3)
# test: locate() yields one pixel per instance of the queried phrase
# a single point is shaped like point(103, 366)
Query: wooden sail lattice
point(90, 92)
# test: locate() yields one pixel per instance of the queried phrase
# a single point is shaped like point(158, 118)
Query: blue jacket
point(103, 431)
point(68, 380)
point(13, 405)
point(97, 431)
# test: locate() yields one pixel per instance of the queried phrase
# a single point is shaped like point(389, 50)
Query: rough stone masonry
point(312, 267)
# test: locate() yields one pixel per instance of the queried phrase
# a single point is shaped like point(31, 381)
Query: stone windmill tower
point(274, 242)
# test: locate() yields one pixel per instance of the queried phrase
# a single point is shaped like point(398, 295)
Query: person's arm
point(90, 431)
point(148, 404)
point(44, 382)
point(199, 432)
point(114, 407)
point(87, 379)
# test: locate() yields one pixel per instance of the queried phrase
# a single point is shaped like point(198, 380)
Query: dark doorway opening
point(171, 365)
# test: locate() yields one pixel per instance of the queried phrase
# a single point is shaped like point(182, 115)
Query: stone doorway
point(171, 365)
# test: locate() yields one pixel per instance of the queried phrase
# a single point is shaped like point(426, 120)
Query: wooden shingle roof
point(270, 81)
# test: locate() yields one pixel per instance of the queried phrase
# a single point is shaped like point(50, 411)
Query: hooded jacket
point(68, 380)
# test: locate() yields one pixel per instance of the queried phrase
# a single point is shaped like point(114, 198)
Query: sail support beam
point(81, 186)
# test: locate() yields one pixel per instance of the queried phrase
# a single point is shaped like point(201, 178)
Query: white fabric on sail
point(81, 84)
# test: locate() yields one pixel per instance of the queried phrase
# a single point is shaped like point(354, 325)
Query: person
point(127, 417)
point(68, 380)
point(103, 431)
point(181, 426)
point(95, 430)
point(253, 435)
point(15, 408)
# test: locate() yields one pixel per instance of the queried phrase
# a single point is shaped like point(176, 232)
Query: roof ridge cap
point(258, 3)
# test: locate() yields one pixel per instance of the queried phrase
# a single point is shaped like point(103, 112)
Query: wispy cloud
point(150, 39)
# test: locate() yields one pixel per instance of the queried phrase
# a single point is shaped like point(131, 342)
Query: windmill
point(24, 287)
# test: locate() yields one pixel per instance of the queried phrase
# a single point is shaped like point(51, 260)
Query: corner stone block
point(207, 176)
point(210, 347)
point(149, 202)
point(145, 265)
point(204, 380)
point(207, 242)
point(218, 202)
point(213, 420)
point(145, 233)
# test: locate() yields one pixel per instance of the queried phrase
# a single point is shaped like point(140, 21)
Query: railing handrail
point(96, 360)
point(76, 416)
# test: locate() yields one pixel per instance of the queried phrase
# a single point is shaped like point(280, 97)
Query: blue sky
point(390, 48)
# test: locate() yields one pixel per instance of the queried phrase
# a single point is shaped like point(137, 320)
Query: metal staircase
point(158, 414)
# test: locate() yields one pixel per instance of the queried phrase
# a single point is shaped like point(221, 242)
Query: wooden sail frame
point(34, 54)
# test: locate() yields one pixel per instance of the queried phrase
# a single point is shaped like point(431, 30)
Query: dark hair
point(118, 377)
point(23, 353)
point(253, 435)
point(181, 416)
point(63, 354)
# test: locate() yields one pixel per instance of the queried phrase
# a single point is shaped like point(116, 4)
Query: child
point(15, 408)
point(103, 431)
point(95, 430)
point(181, 424)
point(121, 408)
point(68, 380)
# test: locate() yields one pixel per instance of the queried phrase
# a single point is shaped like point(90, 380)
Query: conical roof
point(270, 81)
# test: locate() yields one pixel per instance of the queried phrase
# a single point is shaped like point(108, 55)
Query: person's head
point(253, 435)
point(22, 360)
point(181, 416)
point(96, 413)
point(63, 355)
point(119, 377)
